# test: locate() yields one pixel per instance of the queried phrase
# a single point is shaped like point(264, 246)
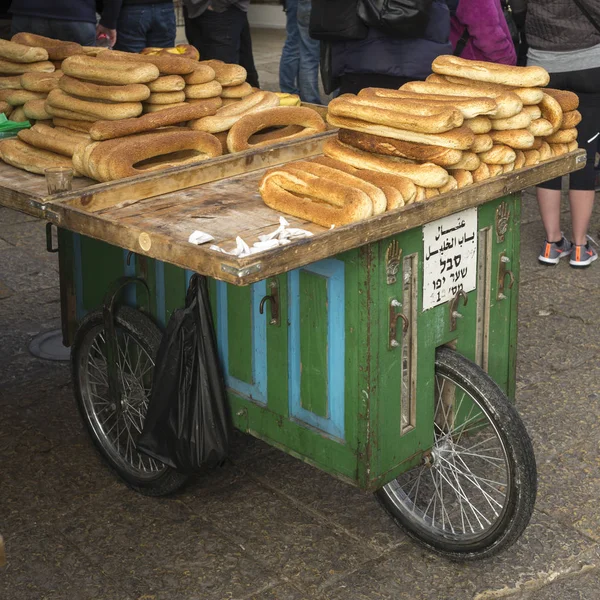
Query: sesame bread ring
point(166, 97)
point(147, 152)
point(437, 155)
point(226, 74)
point(96, 110)
point(325, 202)
point(552, 112)
point(571, 119)
point(425, 175)
point(248, 125)
point(237, 91)
point(227, 116)
point(40, 82)
point(201, 74)
point(56, 49)
point(133, 92)
point(107, 70)
point(203, 90)
point(167, 83)
point(376, 195)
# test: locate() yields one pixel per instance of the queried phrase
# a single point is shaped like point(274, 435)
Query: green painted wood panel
point(239, 315)
point(175, 289)
point(313, 343)
point(101, 265)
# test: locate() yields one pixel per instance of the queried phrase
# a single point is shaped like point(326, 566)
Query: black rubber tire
point(148, 336)
point(520, 464)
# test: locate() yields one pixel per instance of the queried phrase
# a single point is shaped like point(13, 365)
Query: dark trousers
point(69, 31)
point(223, 36)
point(586, 84)
point(143, 25)
point(352, 83)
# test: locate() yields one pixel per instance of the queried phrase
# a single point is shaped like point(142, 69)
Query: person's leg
point(308, 78)
point(73, 31)
point(246, 54)
point(132, 27)
point(289, 63)
point(549, 204)
point(220, 35)
point(163, 26)
point(192, 31)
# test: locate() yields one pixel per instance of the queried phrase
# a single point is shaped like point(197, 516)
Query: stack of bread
point(468, 122)
point(15, 60)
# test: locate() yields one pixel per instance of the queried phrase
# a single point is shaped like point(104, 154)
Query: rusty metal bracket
point(503, 260)
point(393, 330)
point(273, 299)
point(454, 314)
point(49, 241)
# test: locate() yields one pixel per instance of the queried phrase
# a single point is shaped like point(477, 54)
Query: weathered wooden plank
point(233, 207)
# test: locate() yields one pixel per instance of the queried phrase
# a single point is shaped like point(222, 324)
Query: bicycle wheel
point(115, 434)
point(474, 492)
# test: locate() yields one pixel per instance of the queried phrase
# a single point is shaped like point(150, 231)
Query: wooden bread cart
point(382, 352)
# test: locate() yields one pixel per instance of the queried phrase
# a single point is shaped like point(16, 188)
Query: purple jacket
point(489, 37)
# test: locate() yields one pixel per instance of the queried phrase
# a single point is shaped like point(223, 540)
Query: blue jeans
point(81, 32)
point(146, 25)
point(299, 65)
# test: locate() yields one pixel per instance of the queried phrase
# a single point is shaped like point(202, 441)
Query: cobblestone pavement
point(266, 526)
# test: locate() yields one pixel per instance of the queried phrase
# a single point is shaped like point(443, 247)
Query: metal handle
point(393, 330)
point(454, 314)
point(49, 246)
point(273, 299)
point(502, 273)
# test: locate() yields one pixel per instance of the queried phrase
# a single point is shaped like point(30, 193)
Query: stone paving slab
point(545, 551)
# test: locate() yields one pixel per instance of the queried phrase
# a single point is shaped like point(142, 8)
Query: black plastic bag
point(187, 424)
point(400, 18)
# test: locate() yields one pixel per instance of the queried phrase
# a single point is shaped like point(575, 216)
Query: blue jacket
point(386, 55)
point(68, 10)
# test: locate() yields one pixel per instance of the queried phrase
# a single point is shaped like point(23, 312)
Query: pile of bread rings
point(467, 122)
point(111, 114)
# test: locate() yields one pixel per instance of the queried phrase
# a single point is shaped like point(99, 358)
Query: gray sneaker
point(552, 252)
point(582, 256)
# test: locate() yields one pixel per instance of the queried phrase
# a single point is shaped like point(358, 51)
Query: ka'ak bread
point(227, 116)
point(48, 138)
point(19, 53)
point(40, 82)
point(167, 64)
point(424, 175)
point(12, 68)
point(571, 119)
point(460, 138)
point(81, 126)
point(167, 83)
point(508, 103)
point(552, 111)
point(400, 114)
point(438, 155)
point(226, 74)
point(567, 100)
point(17, 153)
point(95, 110)
point(248, 125)
point(36, 110)
point(11, 82)
point(469, 107)
point(529, 96)
point(323, 201)
point(398, 190)
point(138, 154)
point(108, 71)
point(133, 92)
point(56, 49)
point(106, 130)
point(490, 72)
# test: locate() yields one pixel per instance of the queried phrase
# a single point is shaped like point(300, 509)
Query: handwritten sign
point(449, 257)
